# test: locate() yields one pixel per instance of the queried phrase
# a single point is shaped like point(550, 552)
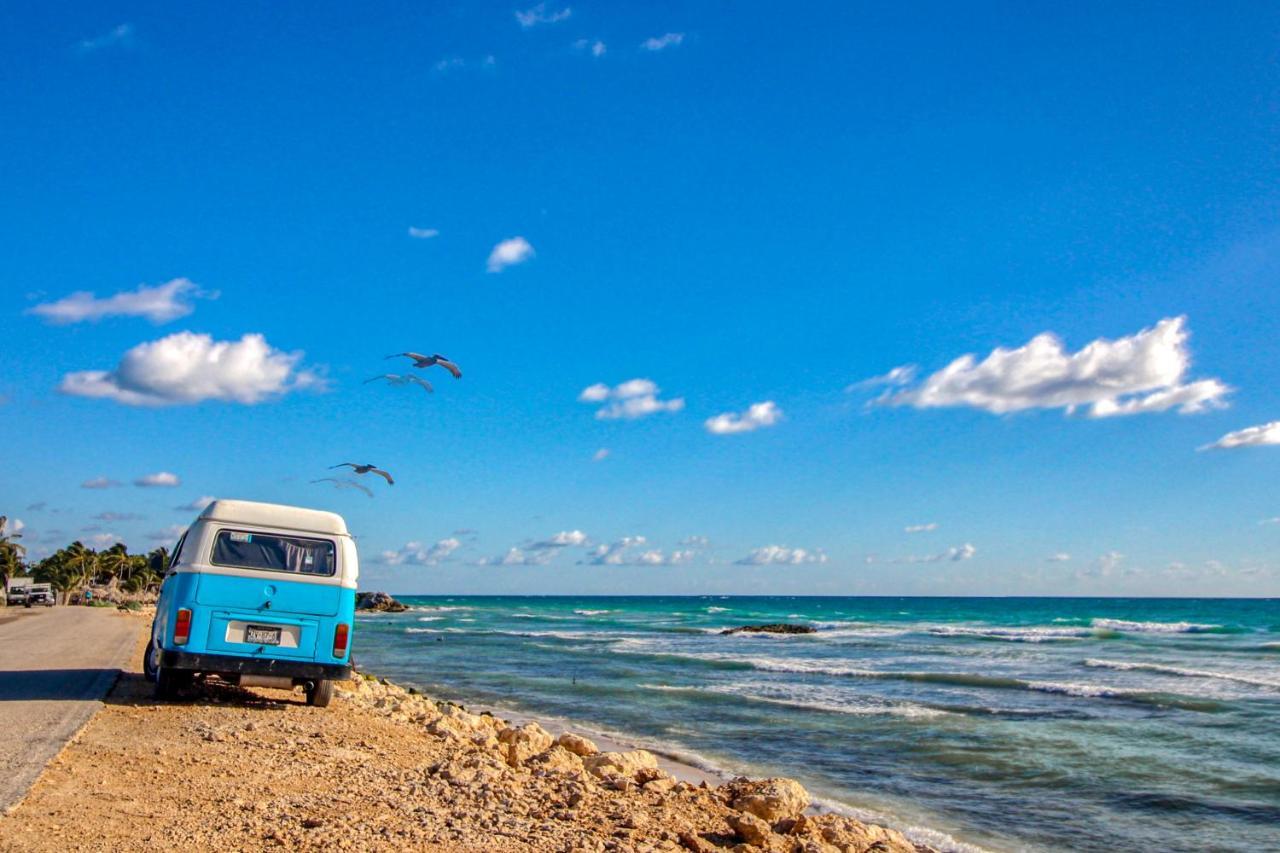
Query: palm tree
point(114, 562)
point(11, 554)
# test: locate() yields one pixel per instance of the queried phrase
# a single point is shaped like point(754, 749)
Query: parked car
point(40, 594)
point(259, 595)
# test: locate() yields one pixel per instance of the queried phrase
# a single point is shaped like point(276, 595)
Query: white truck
point(17, 591)
point(40, 593)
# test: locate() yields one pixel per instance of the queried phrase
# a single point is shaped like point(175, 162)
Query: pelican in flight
point(345, 484)
point(366, 469)
point(396, 379)
point(420, 361)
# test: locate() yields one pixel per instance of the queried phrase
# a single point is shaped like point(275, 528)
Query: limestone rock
point(750, 828)
point(379, 601)
point(577, 744)
point(771, 800)
point(853, 836)
point(774, 628)
point(557, 758)
point(627, 764)
point(524, 742)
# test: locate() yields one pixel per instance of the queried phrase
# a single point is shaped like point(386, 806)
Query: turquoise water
point(1005, 724)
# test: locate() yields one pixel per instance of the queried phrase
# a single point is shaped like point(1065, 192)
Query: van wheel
point(170, 681)
point(320, 694)
point(150, 660)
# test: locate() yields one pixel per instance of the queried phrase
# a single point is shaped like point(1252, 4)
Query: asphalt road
point(56, 664)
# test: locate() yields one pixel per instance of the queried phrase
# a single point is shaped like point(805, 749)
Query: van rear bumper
point(229, 664)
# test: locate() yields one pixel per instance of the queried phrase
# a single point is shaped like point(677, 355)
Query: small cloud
point(624, 553)
point(104, 540)
point(662, 42)
point(600, 455)
point(417, 554)
point(510, 252)
point(954, 554)
point(595, 47)
point(119, 516)
point(563, 539)
point(759, 415)
point(455, 63)
point(423, 233)
point(1275, 520)
point(38, 506)
point(1139, 373)
point(635, 398)
point(896, 377)
point(196, 505)
point(771, 555)
point(186, 368)
point(1254, 436)
point(100, 483)
point(920, 528)
point(12, 527)
point(119, 36)
point(159, 304)
point(700, 543)
point(539, 15)
point(519, 557)
point(160, 479)
point(167, 534)
point(1060, 557)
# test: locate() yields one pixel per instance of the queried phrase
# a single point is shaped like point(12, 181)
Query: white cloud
point(1060, 557)
point(12, 527)
point(539, 15)
point(519, 557)
point(103, 540)
point(162, 479)
point(100, 483)
point(662, 42)
point(896, 377)
point(600, 455)
point(1143, 372)
point(168, 534)
point(196, 505)
point(632, 399)
point(624, 553)
point(515, 250)
point(453, 63)
point(920, 528)
point(418, 554)
point(118, 36)
point(657, 557)
point(563, 539)
point(759, 415)
point(119, 516)
point(698, 542)
point(596, 47)
point(186, 368)
point(954, 554)
point(1254, 436)
point(423, 233)
point(782, 555)
point(1275, 520)
point(159, 304)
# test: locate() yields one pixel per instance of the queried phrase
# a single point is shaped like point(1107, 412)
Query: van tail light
point(340, 636)
point(182, 627)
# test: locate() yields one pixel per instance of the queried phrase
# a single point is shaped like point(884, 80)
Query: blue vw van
point(259, 595)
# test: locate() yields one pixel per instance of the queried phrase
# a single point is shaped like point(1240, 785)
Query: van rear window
point(244, 550)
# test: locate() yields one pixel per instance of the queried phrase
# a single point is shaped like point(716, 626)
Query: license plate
point(261, 636)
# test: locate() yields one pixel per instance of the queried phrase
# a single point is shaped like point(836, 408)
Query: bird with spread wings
point(422, 361)
point(397, 379)
point(366, 469)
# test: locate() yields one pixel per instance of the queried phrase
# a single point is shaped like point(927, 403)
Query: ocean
point(995, 724)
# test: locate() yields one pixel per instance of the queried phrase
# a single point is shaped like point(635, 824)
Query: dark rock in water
point(379, 601)
point(775, 628)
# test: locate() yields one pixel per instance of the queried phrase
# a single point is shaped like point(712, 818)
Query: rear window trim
point(332, 543)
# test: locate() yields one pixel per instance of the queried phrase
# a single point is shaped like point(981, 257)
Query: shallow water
point(1006, 724)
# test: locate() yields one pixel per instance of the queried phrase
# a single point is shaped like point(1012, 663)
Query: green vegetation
point(75, 568)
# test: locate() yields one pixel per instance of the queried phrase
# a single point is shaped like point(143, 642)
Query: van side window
point(177, 552)
point(274, 553)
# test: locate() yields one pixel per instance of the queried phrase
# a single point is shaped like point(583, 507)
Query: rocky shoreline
point(387, 768)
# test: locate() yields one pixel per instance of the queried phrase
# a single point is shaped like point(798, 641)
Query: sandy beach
point(384, 768)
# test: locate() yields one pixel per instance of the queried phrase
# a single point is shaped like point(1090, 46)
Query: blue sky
point(741, 205)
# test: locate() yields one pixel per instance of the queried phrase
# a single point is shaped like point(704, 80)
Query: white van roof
point(275, 515)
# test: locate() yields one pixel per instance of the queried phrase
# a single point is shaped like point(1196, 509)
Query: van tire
point(170, 681)
point(320, 694)
point(148, 667)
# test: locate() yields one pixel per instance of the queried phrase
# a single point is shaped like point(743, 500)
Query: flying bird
point(421, 361)
point(345, 484)
point(366, 469)
point(396, 379)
